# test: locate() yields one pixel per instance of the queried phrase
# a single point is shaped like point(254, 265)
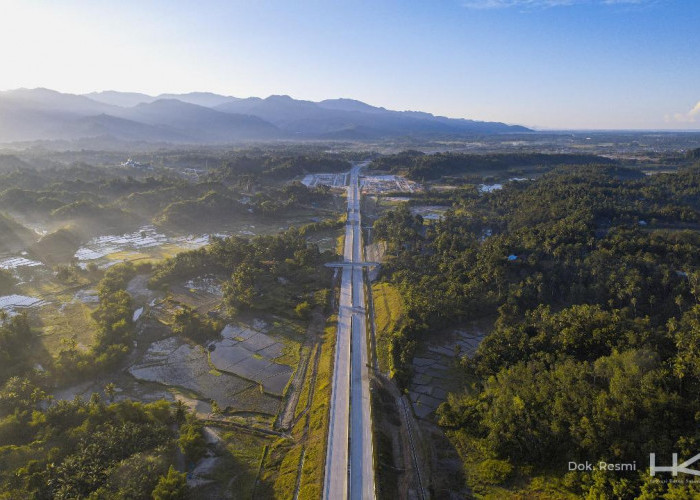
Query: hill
point(207, 118)
point(59, 246)
point(351, 119)
point(13, 235)
point(40, 114)
point(200, 123)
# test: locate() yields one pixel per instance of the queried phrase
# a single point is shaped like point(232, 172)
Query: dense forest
point(593, 277)
point(425, 167)
point(79, 449)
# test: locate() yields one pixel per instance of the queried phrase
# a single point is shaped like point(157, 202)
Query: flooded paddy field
point(14, 304)
point(246, 371)
point(434, 372)
point(146, 242)
point(202, 299)
point(250, 354)
point(173, 362)
point(429, 212)
point(10, 263)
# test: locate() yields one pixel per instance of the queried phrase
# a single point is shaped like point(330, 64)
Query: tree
point(110, 390)
point(686, 333)
point(303, 310)
point(240, 292)
point(171, 487)
point(180, 411)
point(191, 325)
point(215, 408)
point(191, 441)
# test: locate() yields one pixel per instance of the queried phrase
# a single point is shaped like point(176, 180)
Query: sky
point(549, 64)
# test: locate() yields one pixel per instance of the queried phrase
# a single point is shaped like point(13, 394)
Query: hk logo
point(676, 467)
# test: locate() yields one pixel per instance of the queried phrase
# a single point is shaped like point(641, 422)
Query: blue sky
point(596, 64)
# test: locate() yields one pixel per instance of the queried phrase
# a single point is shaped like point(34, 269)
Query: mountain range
point(207, 118)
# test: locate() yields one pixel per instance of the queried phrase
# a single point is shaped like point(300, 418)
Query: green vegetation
point(77, 449)
point(423, 167)
point(59, 246)
point(306, 388)
point(192, 326)
point(295, 195)
point(191, 440)
point(326, 225)
point(288, 470)
point(592, 273)
point(92, 200)
point(201, 212)
point(16, 342)
point(113, 339)
point(312, 472)
point(58, 324)
point(388, 316)
point(250, 167)
point(121, 449)
point(268, 273)
point(282, 465)
point(171, 487)
point(241, 457)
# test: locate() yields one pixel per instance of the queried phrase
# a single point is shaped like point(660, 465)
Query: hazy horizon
point(545, 64)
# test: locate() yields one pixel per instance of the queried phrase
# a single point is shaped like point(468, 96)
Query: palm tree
point(110, 390)
point(180, 411)
point(215, 409)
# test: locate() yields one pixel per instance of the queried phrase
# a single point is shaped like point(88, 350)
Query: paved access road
point(349, 457)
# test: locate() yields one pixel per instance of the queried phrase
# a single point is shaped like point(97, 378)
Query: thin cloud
point(543, 4)
point(691, 116)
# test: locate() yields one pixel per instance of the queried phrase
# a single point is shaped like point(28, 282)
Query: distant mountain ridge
point(208, 118)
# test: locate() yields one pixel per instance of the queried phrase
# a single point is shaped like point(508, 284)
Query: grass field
point(306, 389)
point(388, 315)
point(288, 471)
point(311, 484)
point(340, 244)
point(64, 322)
point(240, 463)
